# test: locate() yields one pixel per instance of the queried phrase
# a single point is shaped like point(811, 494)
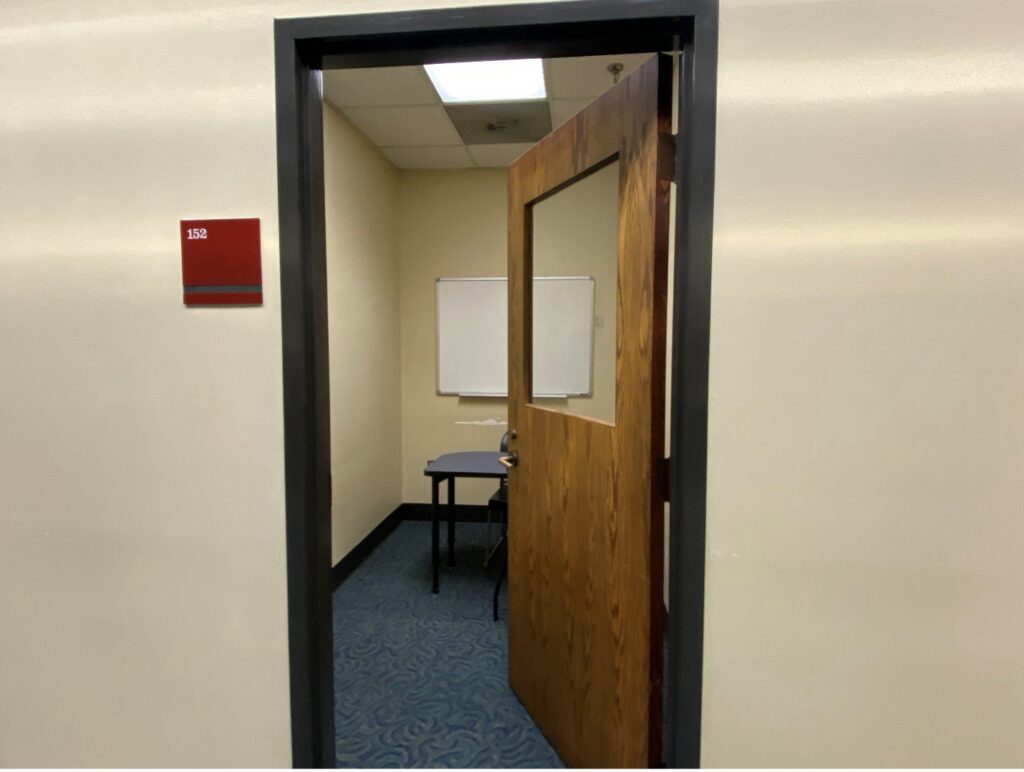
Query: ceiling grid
point(400, 112)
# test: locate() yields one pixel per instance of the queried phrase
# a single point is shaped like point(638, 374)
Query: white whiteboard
point(472, 336)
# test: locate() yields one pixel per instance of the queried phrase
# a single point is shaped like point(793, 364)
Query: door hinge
point(666, 157)
point(663, 478)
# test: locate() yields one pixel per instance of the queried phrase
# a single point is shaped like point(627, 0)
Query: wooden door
point(586, 494)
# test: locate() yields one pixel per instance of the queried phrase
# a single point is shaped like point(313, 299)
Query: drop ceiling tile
point(379, 86)
point(404, 126)
point(586, 77)
point(455, 157)
point(564, 109)
point(497, 155)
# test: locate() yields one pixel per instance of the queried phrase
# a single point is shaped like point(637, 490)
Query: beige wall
point(451, 223)
point(142, 538)
point(866, 433)
point(361, 203)
point(866, 417)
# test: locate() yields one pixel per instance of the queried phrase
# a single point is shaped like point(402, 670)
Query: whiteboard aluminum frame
point(504, 395)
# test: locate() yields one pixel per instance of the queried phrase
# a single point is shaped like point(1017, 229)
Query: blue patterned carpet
point(420, 679)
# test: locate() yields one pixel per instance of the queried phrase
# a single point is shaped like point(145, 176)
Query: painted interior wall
point(142, 538)
point(361, 208)
point(866, 415)
point(866, 429)
point(451, 223)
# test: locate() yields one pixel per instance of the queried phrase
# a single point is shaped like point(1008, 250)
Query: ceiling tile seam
point(358, 130)
point(389, 107)
point(457, 104)
point(430, 81)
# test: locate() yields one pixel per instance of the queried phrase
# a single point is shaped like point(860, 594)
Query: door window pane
point(575, 259)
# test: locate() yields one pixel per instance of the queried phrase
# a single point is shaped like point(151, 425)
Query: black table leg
point(435, 530)
point(451, 520)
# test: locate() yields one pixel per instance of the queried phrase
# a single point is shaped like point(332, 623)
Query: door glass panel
point(575, 259)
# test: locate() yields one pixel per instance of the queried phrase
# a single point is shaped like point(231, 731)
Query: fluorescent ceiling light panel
point(496, 81)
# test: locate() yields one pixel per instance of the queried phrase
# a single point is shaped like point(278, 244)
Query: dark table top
point(474, 463)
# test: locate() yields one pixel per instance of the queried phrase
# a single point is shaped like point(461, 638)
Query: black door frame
point(304, 47)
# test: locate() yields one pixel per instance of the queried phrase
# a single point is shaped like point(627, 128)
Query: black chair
point(499, 503)
point(498, 506)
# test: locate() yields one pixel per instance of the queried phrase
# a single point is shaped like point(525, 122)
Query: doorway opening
point(416, 210)
point(306, 50)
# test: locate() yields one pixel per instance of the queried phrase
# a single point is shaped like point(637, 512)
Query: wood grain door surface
point(586, 497)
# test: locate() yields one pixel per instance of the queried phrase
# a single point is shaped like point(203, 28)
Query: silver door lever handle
point(510, 460)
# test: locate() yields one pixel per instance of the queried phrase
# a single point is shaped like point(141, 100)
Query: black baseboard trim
point(464, 513)
point(361, 551)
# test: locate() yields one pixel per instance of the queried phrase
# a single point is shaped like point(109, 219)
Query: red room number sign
point(220, 262)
